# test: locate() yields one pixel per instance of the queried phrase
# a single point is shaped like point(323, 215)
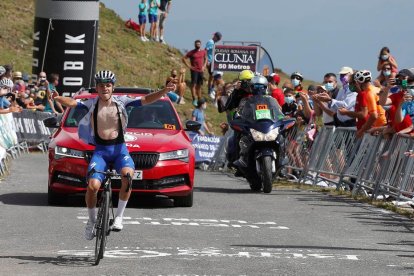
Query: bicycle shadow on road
point(64, 260)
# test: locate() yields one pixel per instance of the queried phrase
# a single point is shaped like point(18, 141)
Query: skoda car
point(156, 140)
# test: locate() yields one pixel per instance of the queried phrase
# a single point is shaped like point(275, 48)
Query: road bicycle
point(103, 223)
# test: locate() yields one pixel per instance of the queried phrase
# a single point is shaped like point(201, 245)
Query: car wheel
point(55, 198)
point(184, 201)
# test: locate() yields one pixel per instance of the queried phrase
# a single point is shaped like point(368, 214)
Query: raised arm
point(150, 98)
point(66, 101)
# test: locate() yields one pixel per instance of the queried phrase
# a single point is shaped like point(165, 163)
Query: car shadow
point(78, 200)
point(24, 199)
point(64, 260)
point(224, 190)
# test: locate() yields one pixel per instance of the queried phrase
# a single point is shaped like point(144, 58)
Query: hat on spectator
point(218, 35)
point(275, 77)
point(321, 87)
point(346, 70)
point(2, 70)
point(407, 73)
point(17, 75)
point(217, 74)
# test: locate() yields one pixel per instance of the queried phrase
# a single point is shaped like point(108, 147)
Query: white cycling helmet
point(7, 82)
point(362, 76)
point(297, 74)
point(105, 76)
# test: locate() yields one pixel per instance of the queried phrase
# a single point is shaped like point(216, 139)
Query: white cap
point(346, 70)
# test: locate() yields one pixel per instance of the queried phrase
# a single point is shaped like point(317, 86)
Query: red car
point(161, 150)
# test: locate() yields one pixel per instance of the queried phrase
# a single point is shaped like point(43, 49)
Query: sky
point(312, 37)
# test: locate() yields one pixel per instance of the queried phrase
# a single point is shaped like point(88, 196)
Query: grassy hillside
point(119, 49)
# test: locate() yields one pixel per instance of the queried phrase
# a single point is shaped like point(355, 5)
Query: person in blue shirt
point(142, 18)
point(209, 48)
point(51, 84)
point(153, 19)
point(104, 126)
point(199, 116)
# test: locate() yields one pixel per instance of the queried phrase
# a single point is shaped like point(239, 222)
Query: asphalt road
point(228, 231)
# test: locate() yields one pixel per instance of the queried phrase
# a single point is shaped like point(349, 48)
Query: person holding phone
point(401, 96)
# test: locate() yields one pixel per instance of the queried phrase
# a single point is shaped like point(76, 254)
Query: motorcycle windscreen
point(261, 108)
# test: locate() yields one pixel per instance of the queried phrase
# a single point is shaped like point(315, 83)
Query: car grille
point(146, 184)
point(142, 160)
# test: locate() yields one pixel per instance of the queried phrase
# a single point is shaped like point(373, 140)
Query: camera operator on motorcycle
point(235, 101)
point(248, 111)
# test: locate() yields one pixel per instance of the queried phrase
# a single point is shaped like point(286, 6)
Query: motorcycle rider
point(246, 111)
point(233, 104)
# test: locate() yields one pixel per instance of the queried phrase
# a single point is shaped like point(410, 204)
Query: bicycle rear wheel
point(102, 227)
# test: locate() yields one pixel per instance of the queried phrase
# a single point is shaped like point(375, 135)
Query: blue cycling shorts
point(104, 155)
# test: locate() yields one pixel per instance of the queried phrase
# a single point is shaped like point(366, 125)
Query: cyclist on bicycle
point(104, 126)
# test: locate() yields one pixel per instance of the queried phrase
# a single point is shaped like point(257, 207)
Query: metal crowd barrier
point(373, 165)
point(298, 147)
point(219, 159)
point(395, 170)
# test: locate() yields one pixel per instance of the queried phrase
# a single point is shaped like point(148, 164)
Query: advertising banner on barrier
point(8, 136)
point(29, 126)
point(235, 58)
point(205, 146)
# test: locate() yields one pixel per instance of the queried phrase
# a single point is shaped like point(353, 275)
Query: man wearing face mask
point(321, 99)
point(296, 79)
point(344, 99)
point(290, 106)
point(396, 97)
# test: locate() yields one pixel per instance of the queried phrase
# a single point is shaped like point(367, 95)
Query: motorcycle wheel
point(266, 172)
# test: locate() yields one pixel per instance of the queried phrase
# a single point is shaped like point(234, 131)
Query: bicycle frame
point(103, 223)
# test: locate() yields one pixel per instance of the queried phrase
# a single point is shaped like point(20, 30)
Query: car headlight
point(260, 136)
point(172, 155)
point(61, 152)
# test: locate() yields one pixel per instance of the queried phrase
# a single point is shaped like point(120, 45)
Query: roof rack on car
point(127, 90)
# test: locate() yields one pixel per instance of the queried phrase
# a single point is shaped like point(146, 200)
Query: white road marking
point(199, 222)
point(193, 253)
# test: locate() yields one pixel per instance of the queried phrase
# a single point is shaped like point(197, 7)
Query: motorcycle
point(261, 130)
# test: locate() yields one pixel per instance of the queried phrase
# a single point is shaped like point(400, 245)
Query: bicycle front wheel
point(102, 227)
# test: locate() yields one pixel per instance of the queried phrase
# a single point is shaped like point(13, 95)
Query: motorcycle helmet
point(258, 85)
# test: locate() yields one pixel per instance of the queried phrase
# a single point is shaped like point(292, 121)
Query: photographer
point(7, 97)
point(398, 94)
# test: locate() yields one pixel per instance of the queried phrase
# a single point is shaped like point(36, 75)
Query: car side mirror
point(51, 122)
point(192, 126)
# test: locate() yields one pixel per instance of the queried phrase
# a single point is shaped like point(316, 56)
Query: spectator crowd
point(18, 91)
point(348, 98)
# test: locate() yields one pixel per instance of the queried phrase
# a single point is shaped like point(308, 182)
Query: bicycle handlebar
point(109, 173)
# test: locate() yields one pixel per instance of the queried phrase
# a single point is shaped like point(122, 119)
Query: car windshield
point(158, 115)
